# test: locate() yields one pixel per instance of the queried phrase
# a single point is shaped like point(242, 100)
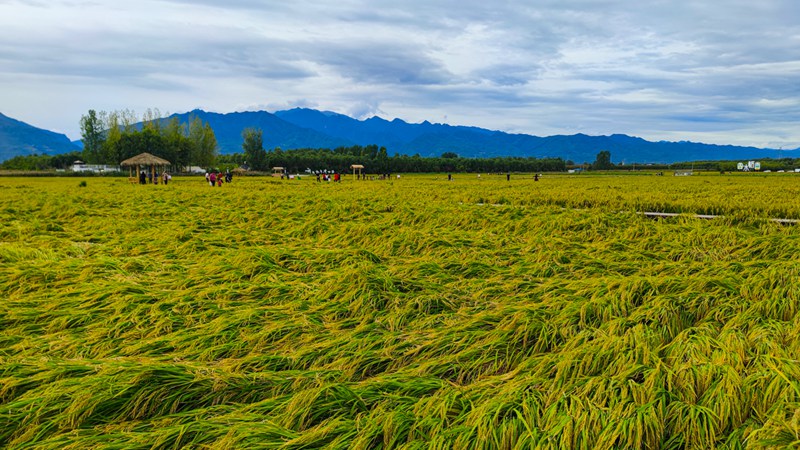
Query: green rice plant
point(399, 314)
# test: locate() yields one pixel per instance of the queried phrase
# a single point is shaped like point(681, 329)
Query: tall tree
point(253, 146)
point(127, 119)
point(113, 135)
point(204, 143)
point(152, 119)
point(92, 134)
point(179, 148)
point(147, 140)
point(603, 161)
point(210, 146)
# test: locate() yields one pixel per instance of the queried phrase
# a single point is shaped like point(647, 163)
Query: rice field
point(406, 314)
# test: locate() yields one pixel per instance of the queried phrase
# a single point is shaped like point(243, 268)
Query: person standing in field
point(165, 176)
point(212, 178)
point(142, 178)
point(219, 179)
point(536, 177)
point(508, 176)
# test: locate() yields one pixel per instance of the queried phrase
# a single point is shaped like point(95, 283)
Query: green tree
point(209, 144)
point(127, 120)
point(204, 143)
point(111, 149)
point(179, 148)
point(152, 119)
point(449, 155)
point(147, 140)
point(382, 160)
point(253, 146)
point(92, 134)
point(603, 161)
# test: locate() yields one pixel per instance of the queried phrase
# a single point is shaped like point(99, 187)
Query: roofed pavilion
point(144, 160)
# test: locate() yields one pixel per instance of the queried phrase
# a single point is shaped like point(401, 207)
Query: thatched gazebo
point(144, 160)
point(359, 168)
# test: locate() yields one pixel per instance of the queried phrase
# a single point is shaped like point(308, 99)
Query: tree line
point(37, 162)
point(112, 137)
point(375, 159)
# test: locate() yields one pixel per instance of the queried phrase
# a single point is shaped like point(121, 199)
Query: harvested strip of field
point(269, 314)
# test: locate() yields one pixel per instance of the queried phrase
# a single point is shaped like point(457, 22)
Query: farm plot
point(413, 313)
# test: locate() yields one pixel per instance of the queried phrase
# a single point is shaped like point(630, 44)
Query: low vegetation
point(412, 313)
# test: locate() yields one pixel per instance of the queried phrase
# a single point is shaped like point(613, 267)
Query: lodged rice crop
point(403, 314)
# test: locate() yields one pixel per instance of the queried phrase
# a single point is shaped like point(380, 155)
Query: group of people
point(335, 177)
point(217, 178)
point(151, 177)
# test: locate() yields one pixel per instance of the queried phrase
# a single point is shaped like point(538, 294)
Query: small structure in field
point(195, 170)
point(278, 171)
point(359, 168)
point(144, 161)
point(80, 166)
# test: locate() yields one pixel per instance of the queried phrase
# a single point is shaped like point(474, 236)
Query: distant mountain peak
point(333, 114)
point(19, 138)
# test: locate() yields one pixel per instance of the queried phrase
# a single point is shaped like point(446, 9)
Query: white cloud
point(720, 71)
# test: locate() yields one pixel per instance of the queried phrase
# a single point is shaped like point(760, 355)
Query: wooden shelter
point(144, 161)
point(278, 171)
point(359, 168)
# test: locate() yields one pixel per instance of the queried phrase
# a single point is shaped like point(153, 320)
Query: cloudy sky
point(716, 71)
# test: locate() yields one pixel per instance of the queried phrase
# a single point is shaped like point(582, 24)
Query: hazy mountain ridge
point(308, 128)
point(277, 132)
point(429, 139)
point(19, 138)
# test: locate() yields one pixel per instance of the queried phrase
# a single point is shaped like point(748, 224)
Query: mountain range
point(309, 128)
point(19, 138)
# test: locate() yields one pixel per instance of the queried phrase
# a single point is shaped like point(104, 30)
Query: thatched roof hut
point(359, 168)
point(144, 160)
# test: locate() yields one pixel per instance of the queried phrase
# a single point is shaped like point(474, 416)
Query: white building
point(80, 166)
